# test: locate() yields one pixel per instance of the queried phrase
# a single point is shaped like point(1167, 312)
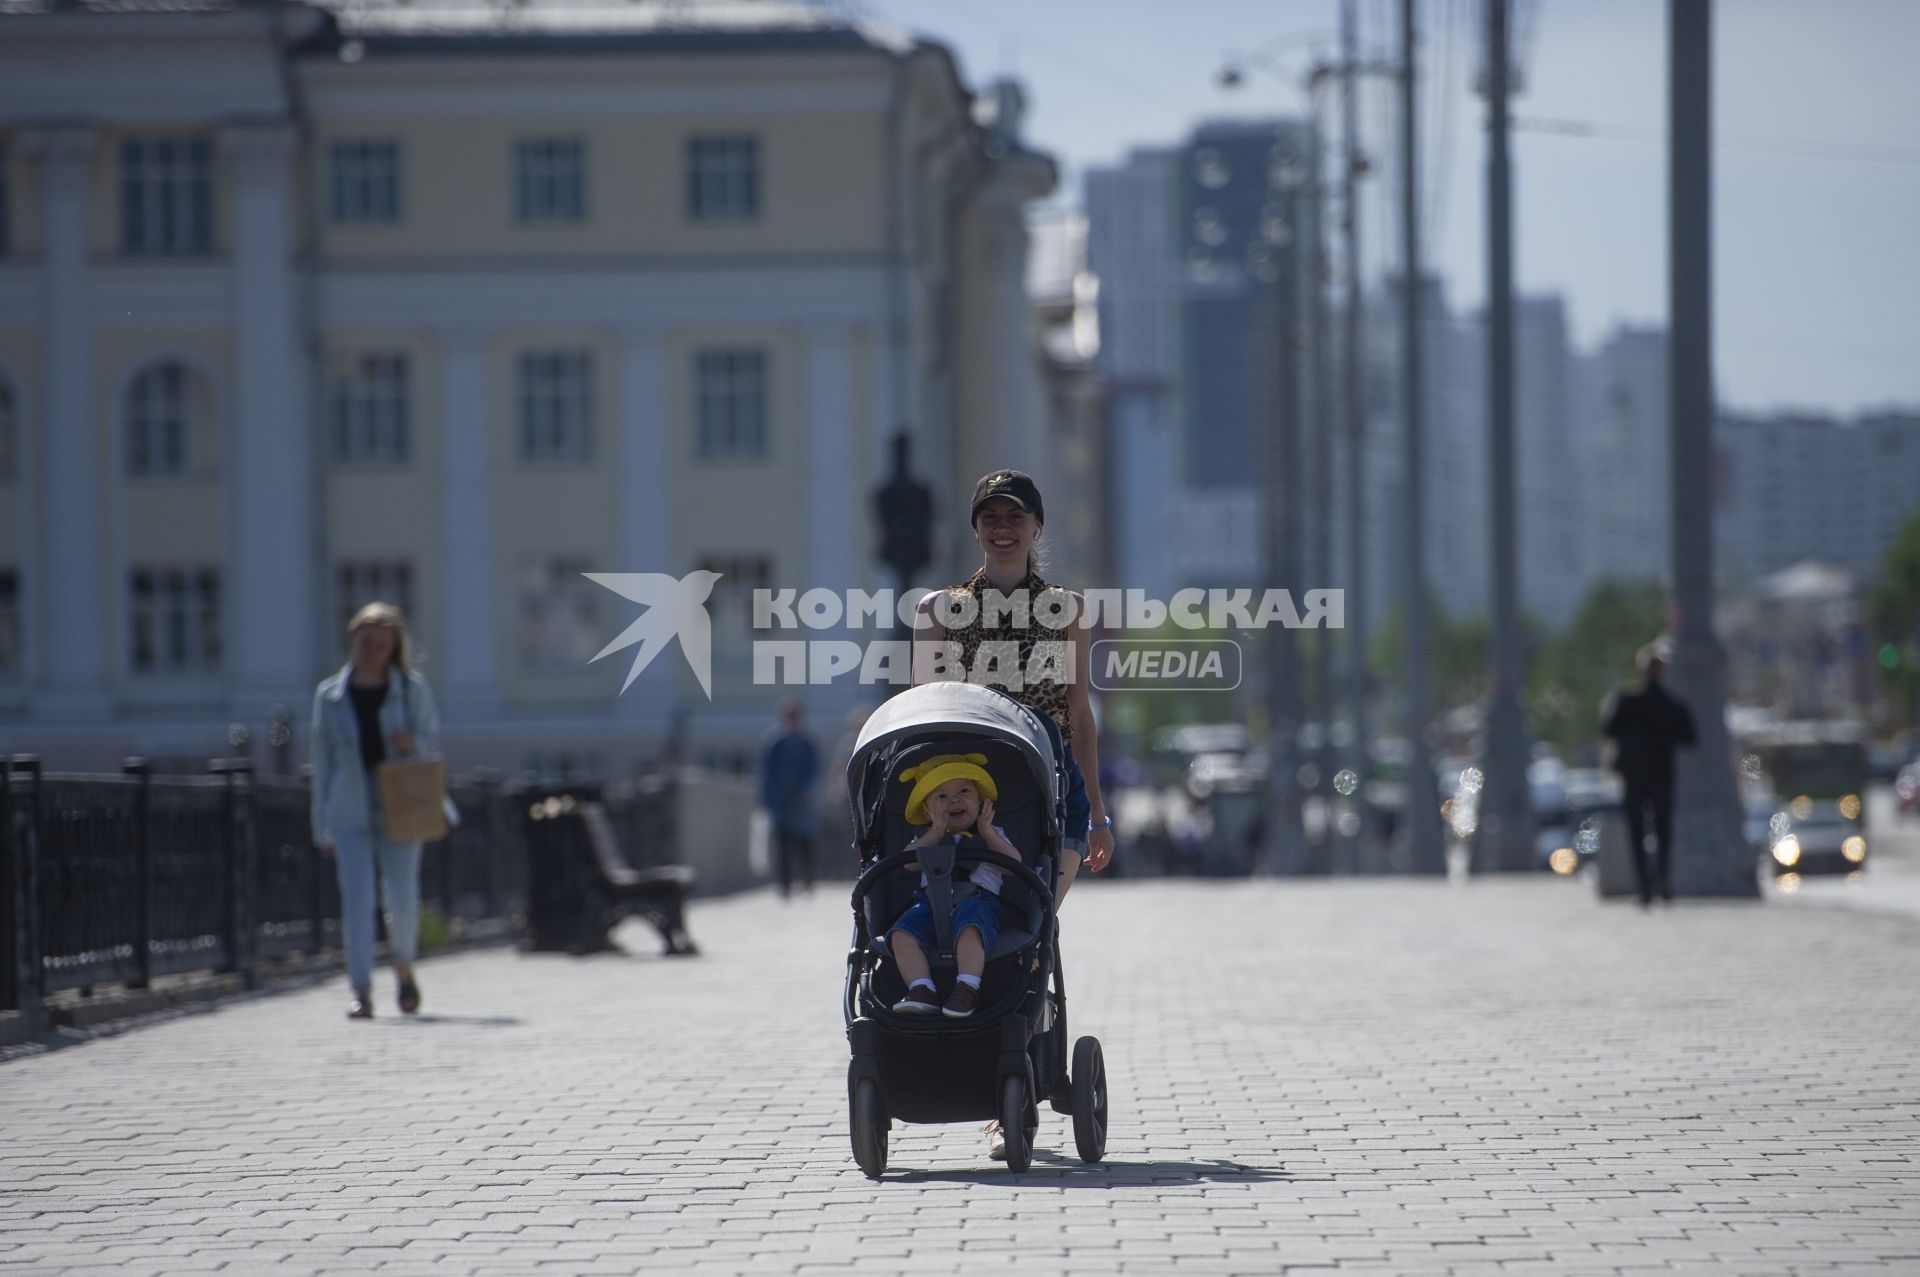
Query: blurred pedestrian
point(374, 709)
point(789, 764)
point(1646, 726)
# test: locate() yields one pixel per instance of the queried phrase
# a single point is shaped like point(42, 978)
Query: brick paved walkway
point(1346, 1076)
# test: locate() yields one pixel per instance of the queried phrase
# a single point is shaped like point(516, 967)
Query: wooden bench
point(581, 887)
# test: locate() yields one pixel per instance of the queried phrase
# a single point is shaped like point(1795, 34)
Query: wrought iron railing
point(121, 879)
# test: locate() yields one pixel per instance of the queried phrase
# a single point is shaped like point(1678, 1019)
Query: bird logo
point(675, 608)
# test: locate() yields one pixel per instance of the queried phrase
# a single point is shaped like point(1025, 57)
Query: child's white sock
point(971, 981)
point(917, 983)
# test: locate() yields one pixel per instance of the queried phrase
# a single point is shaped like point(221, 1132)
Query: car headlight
point(1564, 860)
point(1787, 851)
point(1854, 849)
point(1850, 806)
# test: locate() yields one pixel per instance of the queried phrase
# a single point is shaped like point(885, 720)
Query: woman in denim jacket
point(374, 709)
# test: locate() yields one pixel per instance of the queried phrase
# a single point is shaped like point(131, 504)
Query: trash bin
point(1613, 859)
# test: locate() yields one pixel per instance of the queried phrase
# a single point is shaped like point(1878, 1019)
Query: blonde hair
point(394, 619)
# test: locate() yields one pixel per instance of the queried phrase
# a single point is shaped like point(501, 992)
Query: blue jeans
point(980, 911)
point(1079, 811)
point(355, 853)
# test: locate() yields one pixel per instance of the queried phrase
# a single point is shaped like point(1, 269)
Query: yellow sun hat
point(937, 771)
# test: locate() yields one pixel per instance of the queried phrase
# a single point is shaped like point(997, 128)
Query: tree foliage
point(1574, 671)
point(1893, 616)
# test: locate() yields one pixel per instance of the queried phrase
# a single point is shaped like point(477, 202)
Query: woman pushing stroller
point(1008, 518)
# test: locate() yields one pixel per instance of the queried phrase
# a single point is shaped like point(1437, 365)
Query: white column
point(884, 421)
point(74, 574)
point(835, 508)
point(1019, 433)
point(832, 510)
point(644, 455)
point(271, 575)
point(467, 620)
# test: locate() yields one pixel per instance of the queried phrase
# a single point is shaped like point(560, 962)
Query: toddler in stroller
point(1001, 1060)
point(951, 794)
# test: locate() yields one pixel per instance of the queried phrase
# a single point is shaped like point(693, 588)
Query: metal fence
point(121, 879)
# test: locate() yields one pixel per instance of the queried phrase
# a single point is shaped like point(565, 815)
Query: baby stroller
point(1012, 1053)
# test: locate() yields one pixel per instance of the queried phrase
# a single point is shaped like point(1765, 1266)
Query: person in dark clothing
point(789, 766)
point(1646, 726)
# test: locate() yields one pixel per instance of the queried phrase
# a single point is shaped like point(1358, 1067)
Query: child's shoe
point(965, 998)
point(920, 1000)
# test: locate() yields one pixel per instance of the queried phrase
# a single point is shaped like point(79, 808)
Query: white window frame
point(730, 403)
point(363, 182)
point(166, 197)
point(730, 606)
point(358, 582)
point(369, 408)
point(556, 406)
point(550, 179)
point(174, 620)
point(723, 177)
point(164, 407)
point(560, 626)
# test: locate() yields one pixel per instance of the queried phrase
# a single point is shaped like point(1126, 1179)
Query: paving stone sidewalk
point(1350, 1076)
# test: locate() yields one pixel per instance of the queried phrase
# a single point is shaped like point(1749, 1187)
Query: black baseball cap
point(1015, 485)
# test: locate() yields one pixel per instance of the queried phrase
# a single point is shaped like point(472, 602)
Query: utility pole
point(1420, 849)
point(1505, 840)
point(1354, 412)
point(1711, 858)
point(1283, 486)
point(1314, 262)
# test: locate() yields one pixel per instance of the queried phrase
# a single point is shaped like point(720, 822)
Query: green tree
point(1457, 653)
point(1574, 670)
point(1893, 617)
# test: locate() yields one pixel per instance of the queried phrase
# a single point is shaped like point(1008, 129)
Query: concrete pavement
point(1347, 1076)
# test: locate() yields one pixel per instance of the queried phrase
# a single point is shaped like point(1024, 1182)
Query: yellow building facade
point(302, 308)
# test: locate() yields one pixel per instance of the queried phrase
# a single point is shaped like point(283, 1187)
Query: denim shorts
point(978, 910)
point(1079, 811)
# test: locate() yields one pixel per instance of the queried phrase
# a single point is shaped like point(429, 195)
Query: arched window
point(167, 410)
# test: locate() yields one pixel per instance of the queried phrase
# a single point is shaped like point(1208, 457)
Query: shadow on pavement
point(1071, 1172)
point(484, 1021)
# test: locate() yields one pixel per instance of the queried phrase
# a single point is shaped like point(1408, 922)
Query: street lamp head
point(1229, 77)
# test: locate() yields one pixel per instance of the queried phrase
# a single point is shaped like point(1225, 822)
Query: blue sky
point(1817, 178)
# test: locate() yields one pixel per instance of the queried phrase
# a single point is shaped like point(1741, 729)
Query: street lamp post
point(1505, 837)
point(1711, 856)
point(1420, 850)
point(1282, 249)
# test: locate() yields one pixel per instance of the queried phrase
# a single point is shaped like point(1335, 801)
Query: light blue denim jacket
point(340, 782)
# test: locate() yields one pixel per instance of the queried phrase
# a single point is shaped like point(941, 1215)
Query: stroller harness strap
point(937, 862)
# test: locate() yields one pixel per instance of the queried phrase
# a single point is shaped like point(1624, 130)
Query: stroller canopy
point(959, 710)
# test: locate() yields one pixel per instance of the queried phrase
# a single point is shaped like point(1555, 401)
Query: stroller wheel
point(869, 1128)
point(1015, 1127)
point(1089, 1100)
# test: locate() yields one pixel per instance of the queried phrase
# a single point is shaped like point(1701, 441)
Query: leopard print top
point(1045, 695)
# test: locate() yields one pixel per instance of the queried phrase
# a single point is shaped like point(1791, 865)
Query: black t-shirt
point(366, 713)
